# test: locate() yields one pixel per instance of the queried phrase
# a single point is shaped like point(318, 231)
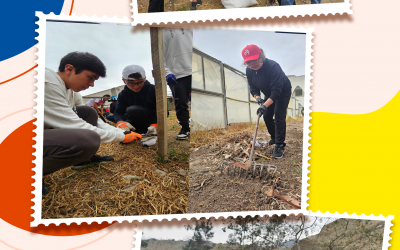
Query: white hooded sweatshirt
point(60, 106)
point(178, 51)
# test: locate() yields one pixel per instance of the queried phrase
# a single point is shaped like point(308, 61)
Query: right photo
point(248, 108)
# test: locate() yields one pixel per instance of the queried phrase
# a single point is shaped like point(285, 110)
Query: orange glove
point(125, 126)
point(152, 129)
point(131, 137)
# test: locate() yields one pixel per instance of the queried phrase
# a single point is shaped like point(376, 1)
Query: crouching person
point(136, 106)
point(72, 131)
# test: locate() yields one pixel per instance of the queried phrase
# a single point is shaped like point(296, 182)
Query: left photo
point(104, 119)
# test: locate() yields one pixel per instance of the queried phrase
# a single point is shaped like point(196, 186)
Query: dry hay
point(184, 5)
point(97, 189)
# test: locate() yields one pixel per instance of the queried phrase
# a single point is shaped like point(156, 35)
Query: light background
point(354, 166)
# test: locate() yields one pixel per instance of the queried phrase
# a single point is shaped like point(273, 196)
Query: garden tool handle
point(255, 136)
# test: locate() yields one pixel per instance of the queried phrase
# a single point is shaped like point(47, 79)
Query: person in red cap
point(266, 75)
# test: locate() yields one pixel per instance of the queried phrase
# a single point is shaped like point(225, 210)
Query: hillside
point(346, 234)
point(360, 234)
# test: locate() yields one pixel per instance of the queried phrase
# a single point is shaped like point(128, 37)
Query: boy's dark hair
point(83, 61)
point(135, 75)
point(107, 96)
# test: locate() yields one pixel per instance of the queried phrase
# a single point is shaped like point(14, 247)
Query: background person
point(195, 3)
point(98, 104)
point(136, 106)
point(72, 131)
point(178, 69)
point(267, 76)
point(292, 2)
point(113, 104)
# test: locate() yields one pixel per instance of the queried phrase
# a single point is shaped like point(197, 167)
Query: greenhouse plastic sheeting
point(238, 3)
point(197, 72)
point(253, 110)
point(237, 111)
point(236, 86)
point(207, 112)
point(212, 74)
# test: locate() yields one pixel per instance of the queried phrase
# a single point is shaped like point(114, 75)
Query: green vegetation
point(174, 154)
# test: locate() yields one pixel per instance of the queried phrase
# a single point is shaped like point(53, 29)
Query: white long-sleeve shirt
point(178, 51)
point(60, 111)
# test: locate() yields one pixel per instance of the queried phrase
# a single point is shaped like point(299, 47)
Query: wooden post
point(171, 2)
point(157, 55)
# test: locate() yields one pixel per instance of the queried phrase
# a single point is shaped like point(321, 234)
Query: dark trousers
point(111, 118)
point(65, 147)
point(181, 93)
point(277, 128)
point(156, 6)
point(140, 117)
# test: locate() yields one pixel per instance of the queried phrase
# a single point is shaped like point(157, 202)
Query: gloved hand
point(125, 126)
point(152, 129)
point(131, 137)
point(262, 110)
point(171, 78)
point(260, 101)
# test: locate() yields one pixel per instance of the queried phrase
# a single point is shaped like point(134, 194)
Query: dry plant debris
point(101, 190)
point(222, 193)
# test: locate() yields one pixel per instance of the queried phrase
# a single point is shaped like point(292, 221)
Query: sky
point(117, 46)
point(175, 230)
point(288, 50)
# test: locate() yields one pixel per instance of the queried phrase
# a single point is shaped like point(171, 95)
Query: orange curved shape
point(19, 75)
point(16, 186)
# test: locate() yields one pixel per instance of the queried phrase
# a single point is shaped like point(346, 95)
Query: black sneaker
point(93, 159)
point(45, 189)
point(199, 2)
point(279, 151)
point(193, 7)
point(183, 134)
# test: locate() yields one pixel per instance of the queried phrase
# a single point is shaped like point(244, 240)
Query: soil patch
point(211, 191)
point(100, 190)
point(184, 5)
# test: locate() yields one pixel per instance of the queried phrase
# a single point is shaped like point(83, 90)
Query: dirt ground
point(99, 190)
point(184, 5)
point(211, 191)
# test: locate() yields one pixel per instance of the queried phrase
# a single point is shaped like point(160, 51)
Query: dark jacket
point(113, 105)
point(269, 79)
point(146, 97)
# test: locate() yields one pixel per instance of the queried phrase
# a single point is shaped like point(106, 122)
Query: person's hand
point(152, 129)
point(171, 78)
point(125, 126)
point(260, 101)
point(131, 137)
point(262, 110)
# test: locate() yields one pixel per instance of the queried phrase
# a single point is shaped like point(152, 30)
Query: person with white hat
point(178, 44)
point(136, 107)
point(267, 76)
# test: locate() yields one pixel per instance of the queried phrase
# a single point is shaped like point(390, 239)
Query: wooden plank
point(157, 55)
point(171, 2)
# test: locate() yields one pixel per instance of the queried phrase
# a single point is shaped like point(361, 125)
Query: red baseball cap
point(251, 52)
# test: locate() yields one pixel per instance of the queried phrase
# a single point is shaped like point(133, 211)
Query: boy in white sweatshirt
point(178, 70)
point(73, 131)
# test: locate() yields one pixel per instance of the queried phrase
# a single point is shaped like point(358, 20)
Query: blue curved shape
point(17, 24)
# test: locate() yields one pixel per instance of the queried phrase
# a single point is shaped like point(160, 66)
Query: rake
point(250, 167)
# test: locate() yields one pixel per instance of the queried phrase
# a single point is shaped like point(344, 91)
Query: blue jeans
point(291, 2)
point(111, 118)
